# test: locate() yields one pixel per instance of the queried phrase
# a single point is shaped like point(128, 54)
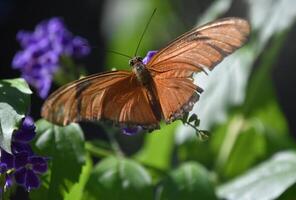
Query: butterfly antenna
point(115, 52)
point(146, 27)
point(122, 54)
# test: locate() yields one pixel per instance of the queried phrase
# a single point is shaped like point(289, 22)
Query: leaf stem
point(96, 151)
point(198, 132)
point(114, 144)
point(232, 133)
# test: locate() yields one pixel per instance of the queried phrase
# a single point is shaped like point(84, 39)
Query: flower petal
point(148, 57)
point(132, 130)
point(21, 59)
point(8, 181)
point(23, 136)
point(80, 47)
point(32, 180)
point(20, 176)
point(25, 38)
point(7, 159)
point(3, 168)
point(18, 147)
point(39, 164)
point(21, 159)
point(28, 123)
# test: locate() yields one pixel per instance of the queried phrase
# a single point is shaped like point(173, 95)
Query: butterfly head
point(139, 68)
point(135, 61)
point(137, 64)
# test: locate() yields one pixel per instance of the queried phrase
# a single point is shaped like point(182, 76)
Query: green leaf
point(189, 181)
point(266, 181)
point(158, 147)
point(260, 89)
point(14, 103)
point(119, 178)
point(250, 143)
point(40, 193)
point(239, 137)
point(228, 81)
point(196, 150)
point(65, 148)
point(76, 192)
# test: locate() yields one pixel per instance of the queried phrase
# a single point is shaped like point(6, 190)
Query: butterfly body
point(160, 89)
point(140, 70)
point(146, 81)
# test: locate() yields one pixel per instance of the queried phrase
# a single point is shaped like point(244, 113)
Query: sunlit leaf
point(14, 103)
point(266, 181)
point(226, 85)
point(260, 89)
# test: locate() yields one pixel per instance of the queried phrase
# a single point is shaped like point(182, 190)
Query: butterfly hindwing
point(176, 96)
point(130, 103)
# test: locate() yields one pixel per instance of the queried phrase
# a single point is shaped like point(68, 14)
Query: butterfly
point(161, 89)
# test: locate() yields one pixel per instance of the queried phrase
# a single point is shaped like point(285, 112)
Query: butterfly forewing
point(110, 96)
point(197, 50)
point(203, 47)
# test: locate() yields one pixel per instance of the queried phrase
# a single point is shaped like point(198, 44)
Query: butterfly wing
point(176, 96)
point(197, 50)
point(116, 96)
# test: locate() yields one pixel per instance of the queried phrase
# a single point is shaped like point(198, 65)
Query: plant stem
point(96, 151)
point(200, 133)
point(2, 184)
point(114, 144)
point(232, 134)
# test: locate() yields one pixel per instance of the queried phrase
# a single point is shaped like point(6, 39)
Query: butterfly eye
point(131, 63)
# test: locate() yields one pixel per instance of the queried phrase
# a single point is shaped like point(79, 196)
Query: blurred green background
point(248, 105)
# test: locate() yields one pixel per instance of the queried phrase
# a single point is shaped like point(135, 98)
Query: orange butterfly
point(162, 89)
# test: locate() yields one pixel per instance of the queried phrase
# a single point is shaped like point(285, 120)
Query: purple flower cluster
point(39, 59)
point(137, 129)
point(22, 166)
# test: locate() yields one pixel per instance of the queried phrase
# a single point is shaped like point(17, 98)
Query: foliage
point(14, 102)
point(249, 153)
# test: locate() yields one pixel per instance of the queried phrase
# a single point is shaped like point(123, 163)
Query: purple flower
point(23, 136)
point(148, 57)
point(27, 170)
point(3, 168)
point(8, 181)
point(39, 59)
point(26, 133)
point(22, 166)
point(133, 130)
point(6, 160)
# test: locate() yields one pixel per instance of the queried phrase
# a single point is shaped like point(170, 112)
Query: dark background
point(84, 18)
